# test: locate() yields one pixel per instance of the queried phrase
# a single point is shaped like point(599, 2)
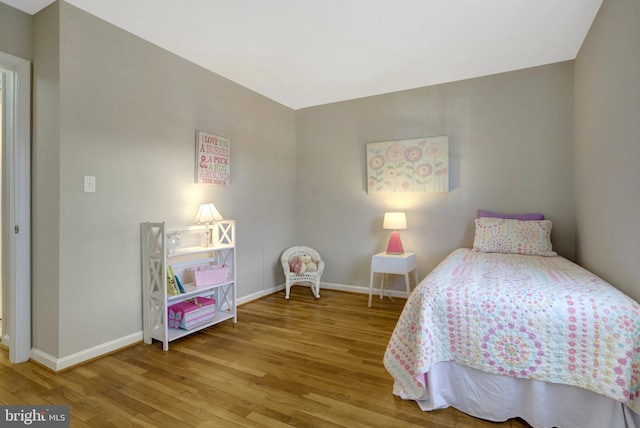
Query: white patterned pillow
point(497, 235)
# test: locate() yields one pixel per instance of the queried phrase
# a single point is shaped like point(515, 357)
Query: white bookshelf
point(157, 256)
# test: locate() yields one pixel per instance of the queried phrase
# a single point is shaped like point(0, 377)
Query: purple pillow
point(530, 216)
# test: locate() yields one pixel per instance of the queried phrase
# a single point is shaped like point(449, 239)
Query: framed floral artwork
point(417, 165)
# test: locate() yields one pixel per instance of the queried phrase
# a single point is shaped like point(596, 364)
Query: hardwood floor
point(302, 362)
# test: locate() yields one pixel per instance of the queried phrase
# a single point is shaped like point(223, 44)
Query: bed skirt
point(499, 398)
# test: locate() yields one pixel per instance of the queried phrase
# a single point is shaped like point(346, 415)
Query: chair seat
point(310, 278)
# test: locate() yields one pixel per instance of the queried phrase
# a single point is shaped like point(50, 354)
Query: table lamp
point(207, 214)
point(395, 221)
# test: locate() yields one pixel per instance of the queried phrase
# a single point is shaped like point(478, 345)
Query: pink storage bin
point(192, 313)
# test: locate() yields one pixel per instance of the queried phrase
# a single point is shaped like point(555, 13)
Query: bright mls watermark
point(34, 416)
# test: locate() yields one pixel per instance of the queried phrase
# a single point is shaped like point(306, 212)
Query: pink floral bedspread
point(532, 317)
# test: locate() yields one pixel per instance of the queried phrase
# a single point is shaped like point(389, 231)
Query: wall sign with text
point(213, 159)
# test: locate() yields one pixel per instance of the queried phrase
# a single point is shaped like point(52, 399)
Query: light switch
point(89, 183)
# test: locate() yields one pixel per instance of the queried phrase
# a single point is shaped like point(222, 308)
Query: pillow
point(530, 216)
point(295, 264)
point(509, 236)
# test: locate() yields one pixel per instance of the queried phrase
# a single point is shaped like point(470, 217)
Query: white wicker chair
point(312, 278)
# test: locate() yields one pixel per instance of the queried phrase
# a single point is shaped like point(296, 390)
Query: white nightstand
point(400, 264)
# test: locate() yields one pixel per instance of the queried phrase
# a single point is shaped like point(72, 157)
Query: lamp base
point(395, 244)
point(207, 236)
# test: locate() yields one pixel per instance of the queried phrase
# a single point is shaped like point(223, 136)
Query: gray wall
point(607, 146)
point(511, 150)
point(15, 32)
point(128, 112)
point(45, 184)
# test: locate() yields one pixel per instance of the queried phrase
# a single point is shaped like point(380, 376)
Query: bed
point(510, 329)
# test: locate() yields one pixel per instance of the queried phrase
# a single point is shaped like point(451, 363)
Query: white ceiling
point(303, 53)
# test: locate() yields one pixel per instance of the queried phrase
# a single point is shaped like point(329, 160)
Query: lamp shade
point(394, 221)
point(207, 213)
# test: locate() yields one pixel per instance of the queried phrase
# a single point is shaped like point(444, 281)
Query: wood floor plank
point(340, 410)
point(302, 362)
point(7, 397)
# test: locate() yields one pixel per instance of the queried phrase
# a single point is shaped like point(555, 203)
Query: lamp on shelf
point(395, 221)
point(207, 214)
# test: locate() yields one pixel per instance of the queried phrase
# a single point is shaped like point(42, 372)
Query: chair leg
point(316, 290)
point(287, 289)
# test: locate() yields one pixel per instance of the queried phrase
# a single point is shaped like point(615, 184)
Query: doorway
point(15, 207)
point(1, 216)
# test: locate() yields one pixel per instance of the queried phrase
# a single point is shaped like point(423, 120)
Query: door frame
point(16, 171)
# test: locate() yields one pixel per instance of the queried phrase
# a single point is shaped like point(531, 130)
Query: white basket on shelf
point(210, 275)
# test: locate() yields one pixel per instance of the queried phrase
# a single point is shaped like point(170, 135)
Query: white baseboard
point(361, 290)
point(57, 364)
point(323, 285)
point(259, 294)
point(6, 341)
point(347, 288)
